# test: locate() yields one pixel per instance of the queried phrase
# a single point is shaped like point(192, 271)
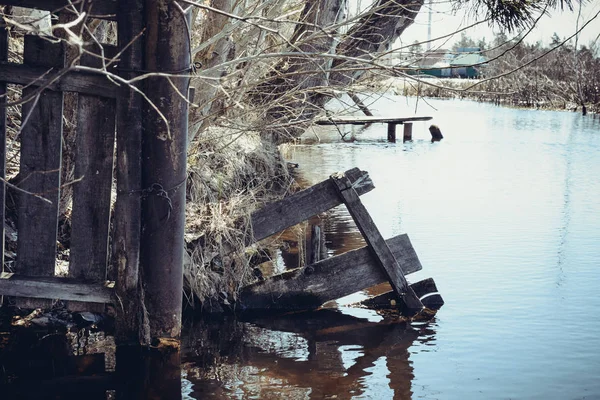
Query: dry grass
point(230, 176)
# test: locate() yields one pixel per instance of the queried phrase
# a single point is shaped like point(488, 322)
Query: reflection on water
point(319, 355)
point(504, 215)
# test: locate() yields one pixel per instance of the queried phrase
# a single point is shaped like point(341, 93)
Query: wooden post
point(3, 101)
point(167, 51)
point(377, 244)
point(408, 131)
point(40, 167)
point(314, 253)
point(391, 132)
point(127, 221)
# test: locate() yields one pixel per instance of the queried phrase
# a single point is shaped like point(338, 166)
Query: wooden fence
point(150, 174)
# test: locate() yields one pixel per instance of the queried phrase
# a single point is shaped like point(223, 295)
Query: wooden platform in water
point(391, 121)
point(369, 120)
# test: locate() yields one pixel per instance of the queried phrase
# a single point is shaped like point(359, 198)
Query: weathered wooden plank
point(74, 81)
point(368, 120)
point(103, 9)
point(40, 166)
point(3, 58)
point(386, 300)
point(292, 210)
point(127, 225)
point(329, 279)
point(377, 244)
point(55, 288)
point(90, 216)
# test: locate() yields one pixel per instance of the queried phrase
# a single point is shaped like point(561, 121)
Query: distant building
point(466, 62)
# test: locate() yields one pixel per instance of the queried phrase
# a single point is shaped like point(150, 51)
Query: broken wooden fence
point(332, 278)
point(150, 174)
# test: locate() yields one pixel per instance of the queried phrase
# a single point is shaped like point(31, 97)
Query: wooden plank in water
point(92, 193)
point(329, 279)
point(41, 141)
point(369, 120)
point(425, 290)
point(292, 210)
point(54, 288)
point(379, 248)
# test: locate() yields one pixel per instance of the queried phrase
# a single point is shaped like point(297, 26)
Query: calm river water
point(504, 214)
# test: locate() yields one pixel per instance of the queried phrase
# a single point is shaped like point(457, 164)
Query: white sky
point(444, 22)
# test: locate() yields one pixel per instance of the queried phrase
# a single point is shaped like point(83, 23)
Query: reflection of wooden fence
point(150, 174)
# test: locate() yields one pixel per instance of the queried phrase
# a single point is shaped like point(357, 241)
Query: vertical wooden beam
point(40, 167)
point(407, 131)
point(95, 141)
point(377, 244)
point(391, 133)
point(164, 165)
point(314, 253)
point(127, 221)
point(3, 101)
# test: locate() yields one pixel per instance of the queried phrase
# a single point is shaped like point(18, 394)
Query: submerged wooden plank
point(388, 299)
point(379, 248)
point(92, 193)
point(55, 288)
point(292, 210)
point(329, 279)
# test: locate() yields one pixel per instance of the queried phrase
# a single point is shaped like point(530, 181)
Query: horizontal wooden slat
point(103, 9)
point(80, 82)
point(54, 288)
point(292, 210)
point(329, 279)
point(369, 120)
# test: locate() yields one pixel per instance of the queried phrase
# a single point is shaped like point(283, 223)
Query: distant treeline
point(563, 75)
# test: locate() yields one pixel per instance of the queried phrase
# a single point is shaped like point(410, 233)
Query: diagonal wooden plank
point(377, 244)
point(329, 279)
point(292, 210)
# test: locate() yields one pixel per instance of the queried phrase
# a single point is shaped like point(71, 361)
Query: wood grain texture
point(95, 144)
point(329, 279)
point(292, 210)
point(104, 9)
point(379, 248)
point(81, 82)
point(54, 288)
point(40, 165)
